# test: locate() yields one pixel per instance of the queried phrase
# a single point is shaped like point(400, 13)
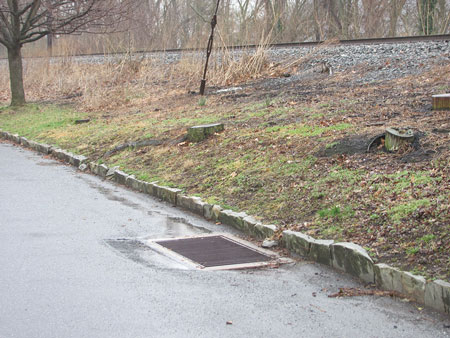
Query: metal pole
point(209, 49)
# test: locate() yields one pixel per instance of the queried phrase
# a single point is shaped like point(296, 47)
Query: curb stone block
point(102, 170)
point(262, 231)
point(207, 211)
point(230, 217)
point(44, 148)
point(156, 190)
point(198, 205)
point(166, 194)
point(437, 295)
point(70, 157)
point(170, 194)
point(320, 251)
point(111, 171)
point(150, 188)
point(33, 145)
point(353, 259)
point(58, 153)
point(129, 181)
point(388, 278)
point(145, 187)
point(120, 177)
point(139, 185)
point(93, 167)
point(297, 242)
point(414, 286)
point(215, 211)
point(135, 184)
point(77, 160)
point(191, 203)
point(249, 224)
point(445, 294)
point(15, 138)
point(24, 142)
point(66, 156)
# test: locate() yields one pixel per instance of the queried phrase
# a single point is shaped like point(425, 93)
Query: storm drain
point(216, 252)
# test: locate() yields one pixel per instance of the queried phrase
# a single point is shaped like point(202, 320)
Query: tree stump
point(199, 133)
point(395, 138)
point(441, 102)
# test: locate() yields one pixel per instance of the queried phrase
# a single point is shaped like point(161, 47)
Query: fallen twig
point(137, 144)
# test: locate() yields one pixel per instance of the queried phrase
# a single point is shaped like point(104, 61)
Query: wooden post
point(441, 102)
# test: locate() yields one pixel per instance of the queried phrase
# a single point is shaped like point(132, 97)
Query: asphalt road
point(64, 273)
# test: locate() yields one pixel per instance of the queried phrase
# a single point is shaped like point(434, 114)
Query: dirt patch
point(350, 145)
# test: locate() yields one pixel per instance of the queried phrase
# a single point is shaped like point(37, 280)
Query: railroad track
point(371, 41)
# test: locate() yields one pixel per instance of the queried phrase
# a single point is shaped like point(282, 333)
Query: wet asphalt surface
point(71, 265)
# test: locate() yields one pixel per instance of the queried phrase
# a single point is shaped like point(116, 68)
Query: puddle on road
point(168, 226)
point(140, 253)
point(112, 196)
point(48, 164)
point(179, 227)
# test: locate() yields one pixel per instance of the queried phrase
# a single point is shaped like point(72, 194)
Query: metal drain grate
point(216, 251)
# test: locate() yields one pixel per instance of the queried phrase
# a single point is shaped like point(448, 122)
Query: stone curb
point(348, 257)
point(353, 259)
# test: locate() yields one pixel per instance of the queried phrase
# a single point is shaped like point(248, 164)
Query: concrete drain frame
point(238, 254)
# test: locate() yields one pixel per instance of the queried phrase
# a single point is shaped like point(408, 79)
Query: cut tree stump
point(199, 133)
point(395, 138)
point(441, 102)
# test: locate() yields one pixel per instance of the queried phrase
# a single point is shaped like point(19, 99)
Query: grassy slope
point(267, 161)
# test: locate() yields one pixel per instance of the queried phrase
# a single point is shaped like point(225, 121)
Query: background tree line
point(163, 24)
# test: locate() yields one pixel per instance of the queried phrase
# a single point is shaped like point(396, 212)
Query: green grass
point(336, 212)
point(403, 210)
point(32, 120)
point(427, 238)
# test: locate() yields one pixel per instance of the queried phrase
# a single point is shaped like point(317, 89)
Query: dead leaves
point(357, 292)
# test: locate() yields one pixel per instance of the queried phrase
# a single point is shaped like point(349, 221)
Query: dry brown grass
point(132, 81)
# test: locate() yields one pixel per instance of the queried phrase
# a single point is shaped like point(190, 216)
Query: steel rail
point(367, 41)
point(400, 39)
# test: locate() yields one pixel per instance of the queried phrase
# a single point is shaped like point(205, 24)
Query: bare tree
point(25, 21)
point(426, 10)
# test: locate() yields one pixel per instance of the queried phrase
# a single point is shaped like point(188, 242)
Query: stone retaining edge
point(347, 257)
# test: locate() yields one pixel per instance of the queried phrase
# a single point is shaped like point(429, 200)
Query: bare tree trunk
point(16, 75)
point(50, 44)
point(426, 9)
point(318, 33)
point(334, 23)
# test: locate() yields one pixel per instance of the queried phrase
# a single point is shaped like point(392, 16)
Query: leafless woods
point(181, 23)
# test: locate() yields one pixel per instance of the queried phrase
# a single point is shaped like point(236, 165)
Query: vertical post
point(209, 49)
